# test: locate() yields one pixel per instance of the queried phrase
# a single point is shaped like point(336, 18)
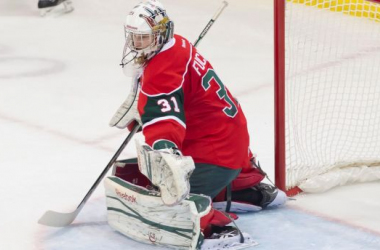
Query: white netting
point(332, 86)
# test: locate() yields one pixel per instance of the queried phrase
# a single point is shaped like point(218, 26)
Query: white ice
point(60, 83)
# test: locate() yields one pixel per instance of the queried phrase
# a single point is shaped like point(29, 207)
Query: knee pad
point(247, 179)
point(128, 170)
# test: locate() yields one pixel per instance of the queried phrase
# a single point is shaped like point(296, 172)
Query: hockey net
point(327, 93)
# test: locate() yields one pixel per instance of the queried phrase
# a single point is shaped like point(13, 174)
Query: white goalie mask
point(147, 29)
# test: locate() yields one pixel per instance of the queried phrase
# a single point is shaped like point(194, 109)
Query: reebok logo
point(124, 196)
point(131, 27)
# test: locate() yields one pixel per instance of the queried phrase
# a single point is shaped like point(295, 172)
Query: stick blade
point(56, 219)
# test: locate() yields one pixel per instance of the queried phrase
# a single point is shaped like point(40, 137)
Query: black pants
point(210, 179)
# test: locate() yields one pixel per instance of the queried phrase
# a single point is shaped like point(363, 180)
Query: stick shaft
point(56, 219)
point(211, 22)
point(109, 165)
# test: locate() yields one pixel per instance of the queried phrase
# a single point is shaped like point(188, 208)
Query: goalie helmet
point(147, 29)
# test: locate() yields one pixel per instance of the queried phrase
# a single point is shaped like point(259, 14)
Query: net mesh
point(332, 86)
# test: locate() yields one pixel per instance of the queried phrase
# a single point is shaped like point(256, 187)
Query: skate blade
point(63, 8)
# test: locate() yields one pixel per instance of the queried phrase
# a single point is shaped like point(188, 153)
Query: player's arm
point(164, 127)
point(127, 114)
point(163, 119)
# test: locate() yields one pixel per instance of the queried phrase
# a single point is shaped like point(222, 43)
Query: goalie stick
point(211, 22)
point(57, 219)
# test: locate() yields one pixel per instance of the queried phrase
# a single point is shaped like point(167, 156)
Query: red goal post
point(327, 93)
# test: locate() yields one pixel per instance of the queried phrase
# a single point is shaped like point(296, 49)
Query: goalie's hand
point(127, 113)
point(168, 170)
point(132, 124)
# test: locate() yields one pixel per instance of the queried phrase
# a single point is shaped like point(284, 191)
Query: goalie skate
point(228, 237)
point(54, 7)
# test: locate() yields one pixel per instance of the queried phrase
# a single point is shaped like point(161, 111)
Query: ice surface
point(60, 83)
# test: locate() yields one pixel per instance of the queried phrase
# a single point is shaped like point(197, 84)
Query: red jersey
point(184, 104)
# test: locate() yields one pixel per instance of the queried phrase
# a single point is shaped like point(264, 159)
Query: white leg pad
point(141, 215)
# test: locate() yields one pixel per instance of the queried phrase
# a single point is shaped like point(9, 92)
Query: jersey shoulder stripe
point(158, 119)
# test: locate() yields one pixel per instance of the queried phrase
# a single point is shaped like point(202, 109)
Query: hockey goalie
point(194, 170)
